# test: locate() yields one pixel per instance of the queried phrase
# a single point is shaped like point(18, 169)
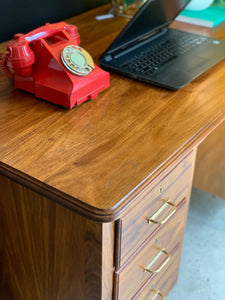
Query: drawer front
point(153, 257)
point(155, 208)
point(159, 287)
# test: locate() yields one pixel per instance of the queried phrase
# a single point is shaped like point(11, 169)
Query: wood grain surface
point(175, 187)
point(131, 277)
point(97, 157)
point(210, 163)
point(49, 252)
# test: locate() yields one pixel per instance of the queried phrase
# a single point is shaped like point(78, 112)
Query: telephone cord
point(3, 65)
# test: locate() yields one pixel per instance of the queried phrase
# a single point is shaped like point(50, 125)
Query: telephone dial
point(49, 63)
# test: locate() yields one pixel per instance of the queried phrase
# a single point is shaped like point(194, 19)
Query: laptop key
point(153, 58)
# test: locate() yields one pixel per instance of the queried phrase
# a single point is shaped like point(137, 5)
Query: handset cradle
point(49, 63)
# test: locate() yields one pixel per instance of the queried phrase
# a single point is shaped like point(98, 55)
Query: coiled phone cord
point(3, 65)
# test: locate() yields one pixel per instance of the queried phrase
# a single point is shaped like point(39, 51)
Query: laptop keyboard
point(153, 58)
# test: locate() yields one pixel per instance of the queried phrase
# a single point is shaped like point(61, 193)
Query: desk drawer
point(155, 208)
point(159, 286)
point(152, 259)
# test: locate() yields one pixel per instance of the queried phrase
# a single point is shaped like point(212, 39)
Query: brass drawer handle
point(158, 293)
point(152, 219)
point(163, 251)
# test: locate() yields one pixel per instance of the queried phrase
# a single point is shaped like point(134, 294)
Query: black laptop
point(148, 50)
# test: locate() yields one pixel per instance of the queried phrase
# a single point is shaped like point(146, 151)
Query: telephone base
point(71, 93)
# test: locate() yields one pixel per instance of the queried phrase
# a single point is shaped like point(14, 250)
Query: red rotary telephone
point(49, 63)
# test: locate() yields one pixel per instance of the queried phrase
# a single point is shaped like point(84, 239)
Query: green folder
point(220, 2)
point(208, 17)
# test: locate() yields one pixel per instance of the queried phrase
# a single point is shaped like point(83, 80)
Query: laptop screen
point(153, 15)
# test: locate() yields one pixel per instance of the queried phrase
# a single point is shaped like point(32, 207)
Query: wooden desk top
point(97, 157)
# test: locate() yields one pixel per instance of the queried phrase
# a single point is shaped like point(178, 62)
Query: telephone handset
point(49, 63)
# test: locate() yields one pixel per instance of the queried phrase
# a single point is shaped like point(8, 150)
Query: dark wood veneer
point(72, 182)
point(83, 154)
point(49, 251)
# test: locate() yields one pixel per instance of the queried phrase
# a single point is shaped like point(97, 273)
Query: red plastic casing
point(36, 60)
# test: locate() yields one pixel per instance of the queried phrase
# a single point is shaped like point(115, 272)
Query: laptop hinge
point(146, 39)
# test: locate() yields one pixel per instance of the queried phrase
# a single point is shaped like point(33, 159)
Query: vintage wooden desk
point(93, 201)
